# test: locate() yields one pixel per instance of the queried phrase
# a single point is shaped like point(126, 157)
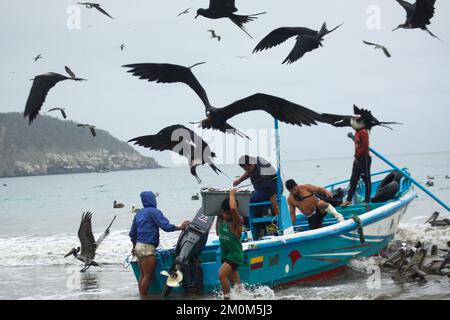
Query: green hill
point(51, 146)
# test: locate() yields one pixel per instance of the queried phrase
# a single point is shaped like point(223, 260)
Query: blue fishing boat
point(279, 253)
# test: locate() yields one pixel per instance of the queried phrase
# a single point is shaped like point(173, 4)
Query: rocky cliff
point(52, 146)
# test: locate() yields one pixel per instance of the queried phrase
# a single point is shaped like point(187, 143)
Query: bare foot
point(346, 203)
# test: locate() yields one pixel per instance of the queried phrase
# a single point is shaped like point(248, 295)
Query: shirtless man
point(303, 198)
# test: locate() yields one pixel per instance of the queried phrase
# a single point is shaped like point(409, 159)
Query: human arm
point(244, 177)
point(292, 211)
point(315, 189)
point(133, 235)
point(164, 223)
point(238, 221)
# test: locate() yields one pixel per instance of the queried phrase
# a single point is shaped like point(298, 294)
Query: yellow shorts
point(143, 250)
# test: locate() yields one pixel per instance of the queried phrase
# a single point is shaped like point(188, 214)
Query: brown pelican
point(63, 113)
point(88, 243)
point(117, 205)
point(432, 220)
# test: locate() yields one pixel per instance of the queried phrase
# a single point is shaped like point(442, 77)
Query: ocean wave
point(49, 251)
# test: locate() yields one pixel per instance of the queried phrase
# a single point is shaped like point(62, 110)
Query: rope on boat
point(359, 228)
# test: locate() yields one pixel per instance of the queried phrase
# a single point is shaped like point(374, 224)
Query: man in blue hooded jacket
point(144, 235)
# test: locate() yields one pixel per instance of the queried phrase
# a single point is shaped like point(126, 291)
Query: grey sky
point(411, 87)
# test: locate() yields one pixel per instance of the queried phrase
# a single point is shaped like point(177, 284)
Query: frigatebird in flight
point(62, 110)
point(214, 35)
point(41, 86)
point(90, 5)
point(362, 118)
point(89, 245)
point(418, 15)
point(183, 141)
point(39, 56)
point(378, 46)
point(184, 12)
point(307, 40)
point(90, 127)
point(216, 118)
point(226, 9)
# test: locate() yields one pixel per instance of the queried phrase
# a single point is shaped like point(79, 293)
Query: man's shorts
point(316, 220)
point(143, 250)
point(234, 266)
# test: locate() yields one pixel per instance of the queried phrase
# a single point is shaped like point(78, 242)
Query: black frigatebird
point(62, 110)
point(378, 46)
point(39, 56)
point(307, 40)
point(418, 15)
point(90, 127)
point(41, 86)
point(183, 141)
point(214, 35)
point(362, 118)
point(226, 9)
point(90, 5)
point(216, 118)
point(184, 12)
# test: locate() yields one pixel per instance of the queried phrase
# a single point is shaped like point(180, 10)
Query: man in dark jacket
point(144, 235)
point(263, 177)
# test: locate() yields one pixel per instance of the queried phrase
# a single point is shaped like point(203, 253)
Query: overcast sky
point(412, 87)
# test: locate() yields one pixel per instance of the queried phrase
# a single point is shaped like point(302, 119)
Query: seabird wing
point(86, 236)
point(63, 113)
point(103, 236)
point(39, 90)
point(279, 108)
point(386, 52)
point(92, 129)
point(280, 35)
point(97, 6)
point(424, 11)
point(303, 45)
point(223, 5)
point(409, 8)
point(169, 73)
point(70, 72)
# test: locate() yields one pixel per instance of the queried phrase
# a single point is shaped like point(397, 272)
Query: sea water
point(39, 219)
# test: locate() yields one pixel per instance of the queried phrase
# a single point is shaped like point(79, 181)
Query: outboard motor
point(186, 270)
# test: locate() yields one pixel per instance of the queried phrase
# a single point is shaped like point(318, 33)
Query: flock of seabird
point(193, 147)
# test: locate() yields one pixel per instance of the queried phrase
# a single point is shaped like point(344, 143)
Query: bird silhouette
point(117, 205)
point(361, 118)
point(184, 12)
point(377, 46)
point(90, 5)
point(88, 244)
point(213, 35)
point(216, 118)
point(90, 127)
point(39, 56)
point(307, 40)
point(418, 15)
point(39, 90)
point(225, 9)
point(122, 46)
point(63, 113)
point(183, 141)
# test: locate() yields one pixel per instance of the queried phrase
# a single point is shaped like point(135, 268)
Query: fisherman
point(263, 177)
point(362, 161)
point(303, 197)
point(229, 226)
point(144, 235)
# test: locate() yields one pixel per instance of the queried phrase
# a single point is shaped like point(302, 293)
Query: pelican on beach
point(88, 244)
